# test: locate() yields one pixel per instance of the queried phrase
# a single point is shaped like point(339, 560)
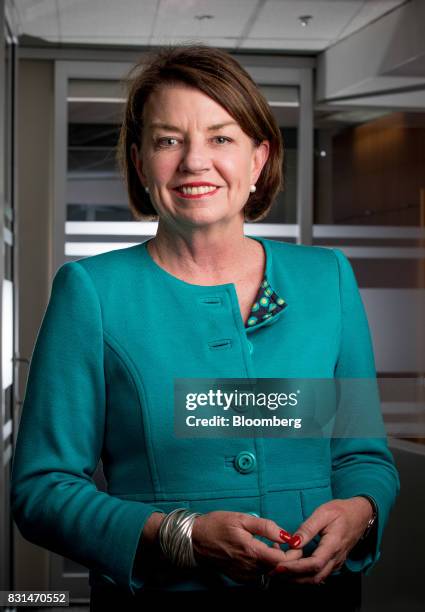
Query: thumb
point(309, 529)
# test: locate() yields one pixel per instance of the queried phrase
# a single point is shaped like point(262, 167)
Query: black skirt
point(340, 592)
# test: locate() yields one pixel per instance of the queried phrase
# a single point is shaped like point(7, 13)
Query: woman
point(302, 518)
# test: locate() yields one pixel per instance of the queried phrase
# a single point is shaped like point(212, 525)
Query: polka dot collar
point(266, 305)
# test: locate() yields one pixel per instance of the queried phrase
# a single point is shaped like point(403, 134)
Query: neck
point(218, 255)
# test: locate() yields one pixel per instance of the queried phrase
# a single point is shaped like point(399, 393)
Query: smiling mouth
point(196, 192)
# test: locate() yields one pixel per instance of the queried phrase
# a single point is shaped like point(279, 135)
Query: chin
point(202, 217)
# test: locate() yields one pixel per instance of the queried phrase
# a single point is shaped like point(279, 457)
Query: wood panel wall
point(379, 171)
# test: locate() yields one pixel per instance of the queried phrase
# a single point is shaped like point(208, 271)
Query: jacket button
point(250, 347)
point(245, 462)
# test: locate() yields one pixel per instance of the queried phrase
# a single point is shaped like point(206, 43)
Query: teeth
point(197, 190)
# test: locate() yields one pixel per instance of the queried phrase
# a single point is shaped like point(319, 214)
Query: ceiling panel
point(281, 19)
point(88, 21)
point(39, 19)
point(105, 20)
point(249, 24)
point(206, 19)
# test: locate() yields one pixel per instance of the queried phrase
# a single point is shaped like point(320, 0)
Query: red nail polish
point(285, 536)
point(295, 541)
point(281, 569)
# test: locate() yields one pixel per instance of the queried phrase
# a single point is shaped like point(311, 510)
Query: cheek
point(161, 168)
point(236, 170)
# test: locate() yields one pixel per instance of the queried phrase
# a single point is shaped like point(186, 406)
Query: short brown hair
point(218, 75)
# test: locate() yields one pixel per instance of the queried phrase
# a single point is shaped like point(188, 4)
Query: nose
point(195, 157)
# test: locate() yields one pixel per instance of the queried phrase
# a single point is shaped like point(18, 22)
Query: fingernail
point(285, 536)
point(295, 541)
point(281, 569)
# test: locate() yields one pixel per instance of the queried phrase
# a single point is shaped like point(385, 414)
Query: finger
point(266, 557)
point(317, 521)
point(289, 555)
point(267, 529)
point(293, 553)
point(333, 565)
point(307, 566)
point(326, 551)
point(320, 576)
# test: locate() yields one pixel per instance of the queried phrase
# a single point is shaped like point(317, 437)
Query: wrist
point(148, 552)
point(367, 505)
point(371, 517)
point(151, 528)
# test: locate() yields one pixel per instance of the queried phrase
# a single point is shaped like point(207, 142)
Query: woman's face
point(190, 140)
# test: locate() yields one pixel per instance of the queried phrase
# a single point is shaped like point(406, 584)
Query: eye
point(165, 142)
point(225, 138)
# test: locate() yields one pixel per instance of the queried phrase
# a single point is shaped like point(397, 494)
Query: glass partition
point(370, 203)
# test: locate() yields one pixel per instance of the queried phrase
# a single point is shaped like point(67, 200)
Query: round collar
point(167, 276)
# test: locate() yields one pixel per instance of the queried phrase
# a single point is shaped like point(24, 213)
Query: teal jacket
point(117, 331)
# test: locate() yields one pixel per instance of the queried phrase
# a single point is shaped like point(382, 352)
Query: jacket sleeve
point(361, 465)
point(54, 501)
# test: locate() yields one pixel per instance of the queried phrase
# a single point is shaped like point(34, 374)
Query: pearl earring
point(253, 189)
point(147, 189)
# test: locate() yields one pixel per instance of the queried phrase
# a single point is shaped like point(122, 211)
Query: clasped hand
point(226, 541)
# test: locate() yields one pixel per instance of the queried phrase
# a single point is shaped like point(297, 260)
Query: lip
point(196, 196)
point(197, 184)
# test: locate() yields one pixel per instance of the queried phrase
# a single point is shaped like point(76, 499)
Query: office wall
point(35, 189)
point(379, 167)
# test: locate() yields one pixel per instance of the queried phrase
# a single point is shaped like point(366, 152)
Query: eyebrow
point(174, 128)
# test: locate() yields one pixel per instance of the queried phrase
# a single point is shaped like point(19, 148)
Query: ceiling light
point(305, 20)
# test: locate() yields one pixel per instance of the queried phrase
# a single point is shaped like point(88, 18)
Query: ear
point(137, 162)
point(259, 158)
